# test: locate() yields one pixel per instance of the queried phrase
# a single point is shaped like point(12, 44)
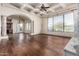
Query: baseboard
point(4, 37)
point(47, 34)
point(54, 35)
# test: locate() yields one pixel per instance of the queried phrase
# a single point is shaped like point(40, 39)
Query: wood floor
point(37, 45)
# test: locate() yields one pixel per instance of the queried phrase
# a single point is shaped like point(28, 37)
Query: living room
point(45, 29)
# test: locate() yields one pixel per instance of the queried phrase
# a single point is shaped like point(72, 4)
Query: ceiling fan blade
point(41, 9)
point(44, 9)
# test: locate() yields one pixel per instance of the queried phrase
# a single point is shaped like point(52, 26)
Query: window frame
point(63, 22)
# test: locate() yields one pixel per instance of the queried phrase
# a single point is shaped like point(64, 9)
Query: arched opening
point(19, 24)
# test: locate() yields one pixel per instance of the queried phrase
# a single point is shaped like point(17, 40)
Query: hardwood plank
point(38, 45)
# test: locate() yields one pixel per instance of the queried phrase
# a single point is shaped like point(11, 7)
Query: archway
point(19, 24)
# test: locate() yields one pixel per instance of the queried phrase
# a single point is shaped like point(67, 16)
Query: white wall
point(45, 30)
point(4, 10)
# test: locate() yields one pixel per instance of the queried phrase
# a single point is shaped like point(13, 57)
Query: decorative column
point(32, 26)
point(4, 18)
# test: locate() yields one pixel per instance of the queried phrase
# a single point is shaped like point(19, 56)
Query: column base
point(4, 37)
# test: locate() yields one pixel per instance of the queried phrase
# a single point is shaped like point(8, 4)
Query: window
point(69, 23)
point(58, 23)
point(50, 24)
point(61, 23)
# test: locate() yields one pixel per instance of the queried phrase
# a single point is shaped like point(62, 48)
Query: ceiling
point(53, 7)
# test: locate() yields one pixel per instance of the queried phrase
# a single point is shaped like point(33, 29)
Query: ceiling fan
point(43, 8)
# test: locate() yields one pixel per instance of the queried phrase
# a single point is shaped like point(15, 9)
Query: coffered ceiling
point(53, 7)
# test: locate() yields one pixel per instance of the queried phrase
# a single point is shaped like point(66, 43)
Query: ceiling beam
point(26, 6)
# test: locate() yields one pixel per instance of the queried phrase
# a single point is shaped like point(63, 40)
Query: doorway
point(19, 24)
